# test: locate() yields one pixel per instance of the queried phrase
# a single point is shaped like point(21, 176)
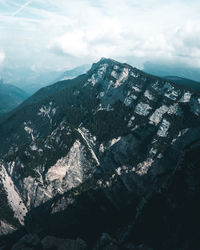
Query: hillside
point(112, 151)
point(10, 97)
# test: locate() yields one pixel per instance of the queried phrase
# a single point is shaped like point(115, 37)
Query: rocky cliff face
point(113, 150)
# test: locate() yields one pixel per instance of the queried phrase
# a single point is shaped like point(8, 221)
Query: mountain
point(70, 74)
point(10, 97)
point(164, 69)
point(111, 157)
point(187, 83)
point(32, 80)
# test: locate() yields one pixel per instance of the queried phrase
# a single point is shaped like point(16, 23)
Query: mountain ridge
point(111, 140)
point(186, 83)
point(10, 97)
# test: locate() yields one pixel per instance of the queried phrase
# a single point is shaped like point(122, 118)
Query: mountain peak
point(107, 60)
point(109, 66)
point(98, 140)
point(104, 60)
point(112, 62)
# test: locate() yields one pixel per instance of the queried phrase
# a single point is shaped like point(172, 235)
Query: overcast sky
point(60, 34)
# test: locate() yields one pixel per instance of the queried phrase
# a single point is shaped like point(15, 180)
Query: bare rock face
point(6, 228)
point(94, 153)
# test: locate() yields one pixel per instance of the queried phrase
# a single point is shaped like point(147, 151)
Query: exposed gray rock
point(109, 139)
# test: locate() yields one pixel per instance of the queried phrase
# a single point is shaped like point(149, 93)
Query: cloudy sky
point(61, 34)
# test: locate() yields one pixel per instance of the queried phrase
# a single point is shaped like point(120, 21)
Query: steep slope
point(98, 147)
point(10, 97)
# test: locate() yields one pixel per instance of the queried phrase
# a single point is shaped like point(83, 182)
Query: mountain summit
point(114, 150)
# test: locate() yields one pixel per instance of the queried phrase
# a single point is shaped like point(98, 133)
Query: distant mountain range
point(70, 74)
point(187, 83)
point(111, 156)
point(162, 70)
point(10, 97)
point(31, 81)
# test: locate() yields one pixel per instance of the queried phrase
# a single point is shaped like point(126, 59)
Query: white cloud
point(21, 8)
point(68, 33)
point(92, 39)
point(72, 43)
point(2, 57)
